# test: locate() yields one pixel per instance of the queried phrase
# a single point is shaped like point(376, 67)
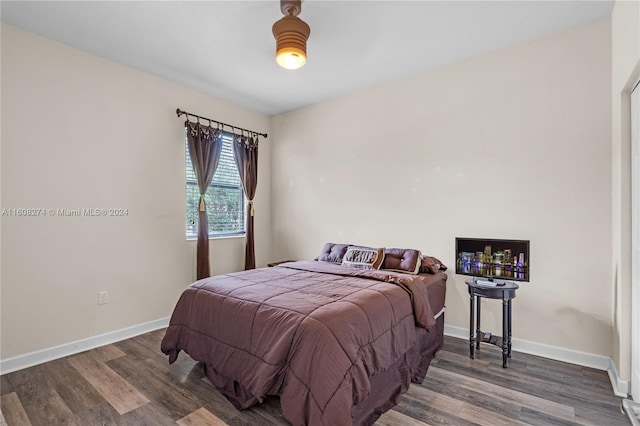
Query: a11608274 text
point(65, 212)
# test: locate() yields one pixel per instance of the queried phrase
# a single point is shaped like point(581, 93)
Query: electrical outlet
point(103, 297)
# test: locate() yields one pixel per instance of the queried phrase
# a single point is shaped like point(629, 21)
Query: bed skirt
point(387, 386)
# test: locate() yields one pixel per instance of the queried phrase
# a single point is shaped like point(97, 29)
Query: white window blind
point(224, 199)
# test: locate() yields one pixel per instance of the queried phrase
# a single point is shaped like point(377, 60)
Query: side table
point(506, 292)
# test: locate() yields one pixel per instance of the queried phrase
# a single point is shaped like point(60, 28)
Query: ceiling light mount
point(290, 7)
point(291, 34)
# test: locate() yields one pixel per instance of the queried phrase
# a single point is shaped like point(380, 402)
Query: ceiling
point(226, 49)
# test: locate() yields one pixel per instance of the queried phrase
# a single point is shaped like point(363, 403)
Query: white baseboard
point(599, 362)
point(38, 357)
point(620, 387)
point(633, 411)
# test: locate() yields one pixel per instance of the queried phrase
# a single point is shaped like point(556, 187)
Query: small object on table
point(502, 290)
point(279, 262)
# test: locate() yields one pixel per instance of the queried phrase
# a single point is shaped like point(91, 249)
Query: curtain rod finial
point(178, 112)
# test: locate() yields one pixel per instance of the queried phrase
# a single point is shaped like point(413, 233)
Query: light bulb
point(291, 58)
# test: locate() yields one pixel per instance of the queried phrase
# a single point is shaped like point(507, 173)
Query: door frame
point(635, 242)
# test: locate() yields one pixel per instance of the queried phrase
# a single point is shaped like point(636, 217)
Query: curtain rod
point(179, 112)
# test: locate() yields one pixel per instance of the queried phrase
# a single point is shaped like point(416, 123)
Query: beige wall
point(79, 132)
point(511, 144)
point(625, 34)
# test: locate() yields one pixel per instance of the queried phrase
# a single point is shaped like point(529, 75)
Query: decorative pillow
point(363, 257)
point(431, 265)
point(402, 260)
point(332, 252)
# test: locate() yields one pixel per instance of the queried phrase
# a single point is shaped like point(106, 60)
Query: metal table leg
point(505, 331)
point(471, 325)
point(509, 337)
point(478, 332)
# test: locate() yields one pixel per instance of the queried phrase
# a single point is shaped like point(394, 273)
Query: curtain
point(205, 145)
point(245, 149)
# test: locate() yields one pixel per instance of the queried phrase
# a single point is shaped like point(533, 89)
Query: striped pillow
point(363, 257)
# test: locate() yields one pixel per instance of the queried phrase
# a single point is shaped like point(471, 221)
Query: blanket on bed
point(310, 332)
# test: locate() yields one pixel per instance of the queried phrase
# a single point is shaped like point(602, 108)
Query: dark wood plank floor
point(131, 383)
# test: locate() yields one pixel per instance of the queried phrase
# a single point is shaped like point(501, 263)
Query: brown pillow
point(363, 257)
point(332, 253)
point(402, 260)
point(431, 265)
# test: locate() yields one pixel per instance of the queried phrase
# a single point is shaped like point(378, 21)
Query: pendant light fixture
point(291, 35)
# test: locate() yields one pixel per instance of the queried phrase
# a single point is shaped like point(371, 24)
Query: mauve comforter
point(310, 332)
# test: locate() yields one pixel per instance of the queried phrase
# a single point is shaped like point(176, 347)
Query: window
point(224, 199)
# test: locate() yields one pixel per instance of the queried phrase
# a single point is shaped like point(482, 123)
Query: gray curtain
point(245, 149)
point(205, 145)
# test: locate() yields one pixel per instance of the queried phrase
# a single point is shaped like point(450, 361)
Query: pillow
point(332, 252)
point(402, 260)
point(363, 257)
point(431, 265)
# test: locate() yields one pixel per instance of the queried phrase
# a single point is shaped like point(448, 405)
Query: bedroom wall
point(511, 144)
point(625, 22)
point(79, 131)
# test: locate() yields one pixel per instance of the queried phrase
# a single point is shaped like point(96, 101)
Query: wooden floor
point(131, 383)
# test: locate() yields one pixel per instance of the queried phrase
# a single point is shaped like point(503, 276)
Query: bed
point(337, 344)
